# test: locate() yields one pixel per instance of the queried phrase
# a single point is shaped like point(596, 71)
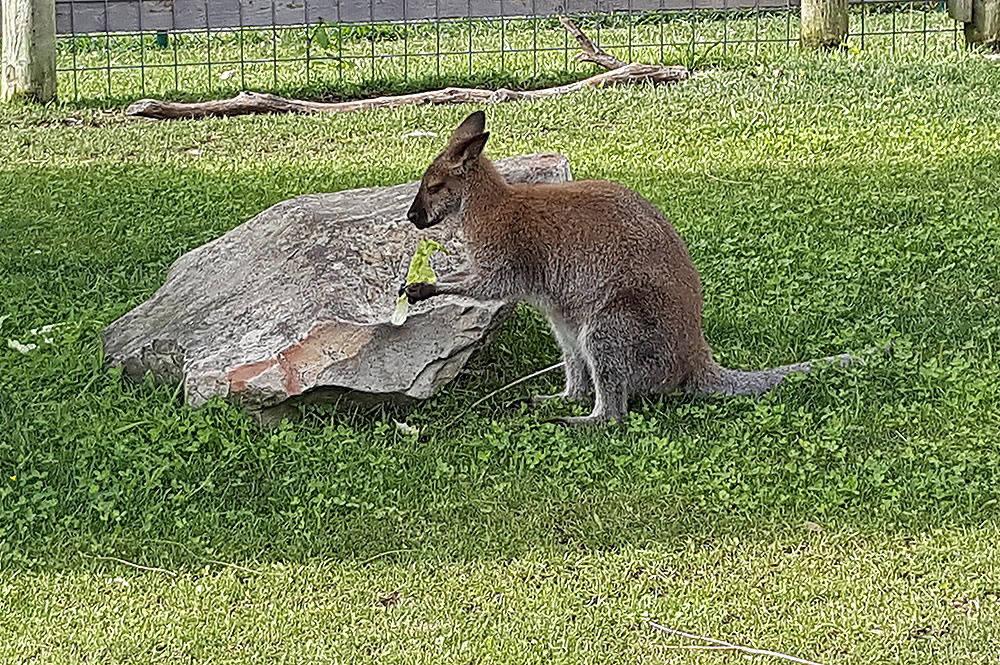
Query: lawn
point(850, 517)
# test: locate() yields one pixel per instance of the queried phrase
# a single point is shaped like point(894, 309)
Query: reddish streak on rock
point(292, 384)
point(239, 377)
point(305, 356)
point(299, 357)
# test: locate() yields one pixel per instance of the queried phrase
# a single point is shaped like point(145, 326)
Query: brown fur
point(603, 264)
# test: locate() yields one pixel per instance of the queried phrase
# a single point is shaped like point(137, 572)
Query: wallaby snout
point(417, 214)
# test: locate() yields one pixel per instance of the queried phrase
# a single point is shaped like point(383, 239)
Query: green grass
point(832, 205)
point(343, 61)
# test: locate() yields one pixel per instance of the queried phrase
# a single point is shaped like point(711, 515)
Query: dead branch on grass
point(248, 103)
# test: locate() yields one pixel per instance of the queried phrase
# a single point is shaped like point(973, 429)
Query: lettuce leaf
point(420, 271)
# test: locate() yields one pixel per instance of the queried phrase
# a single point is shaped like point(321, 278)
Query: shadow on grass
point(92, 465)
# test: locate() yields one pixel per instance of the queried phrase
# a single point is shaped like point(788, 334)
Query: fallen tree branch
point(249, 103)
point(590, 52)
point(719, 645)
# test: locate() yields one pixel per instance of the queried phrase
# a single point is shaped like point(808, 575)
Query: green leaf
point(420, 265)
point(420, 271)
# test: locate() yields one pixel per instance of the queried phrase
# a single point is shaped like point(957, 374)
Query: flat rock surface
point(296, 302)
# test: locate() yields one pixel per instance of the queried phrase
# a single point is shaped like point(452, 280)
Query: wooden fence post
point(982, 24)
point(28, 64)
point(823, 23)
point(960, 10)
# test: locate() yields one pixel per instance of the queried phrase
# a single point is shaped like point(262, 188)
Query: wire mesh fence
point(330, 58)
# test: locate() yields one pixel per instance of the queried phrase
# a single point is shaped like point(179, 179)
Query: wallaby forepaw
point(419, 291)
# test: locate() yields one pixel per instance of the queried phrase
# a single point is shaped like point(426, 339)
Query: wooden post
point(28, 64)
point(960, 10)
point(823, 23)
point(982, 28)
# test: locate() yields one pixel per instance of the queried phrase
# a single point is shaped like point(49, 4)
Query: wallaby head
point(444, 189)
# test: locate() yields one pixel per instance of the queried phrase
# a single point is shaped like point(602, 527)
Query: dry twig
point(719, 645)
point(514, 383)
point(135, 565)
point(383, 554)
point(498, 391)
point(590, 52)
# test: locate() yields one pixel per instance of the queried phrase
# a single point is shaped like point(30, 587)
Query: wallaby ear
point(473, 125)
point(465, 151)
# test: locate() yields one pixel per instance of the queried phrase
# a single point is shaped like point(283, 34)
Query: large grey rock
point(296, 302)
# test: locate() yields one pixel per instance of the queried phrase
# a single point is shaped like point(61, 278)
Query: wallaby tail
point(716, 380)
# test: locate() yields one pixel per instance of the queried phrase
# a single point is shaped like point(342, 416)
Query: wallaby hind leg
point(609, 354)
point(578, 382)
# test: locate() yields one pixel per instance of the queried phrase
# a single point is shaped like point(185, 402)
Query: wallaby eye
point(434, 189)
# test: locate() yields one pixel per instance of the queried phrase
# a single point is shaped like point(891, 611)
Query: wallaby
point(603, 264)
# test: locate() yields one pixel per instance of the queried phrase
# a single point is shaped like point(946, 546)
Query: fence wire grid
point(333, 59)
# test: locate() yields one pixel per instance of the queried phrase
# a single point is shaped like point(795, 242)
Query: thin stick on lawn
point(726, 180)
point(214, 561)
point(500, 390)
point(698, 647)
point(134, 565)
point(514, 383)
point(234, 566)
point(382, 554)
point(726, 646)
